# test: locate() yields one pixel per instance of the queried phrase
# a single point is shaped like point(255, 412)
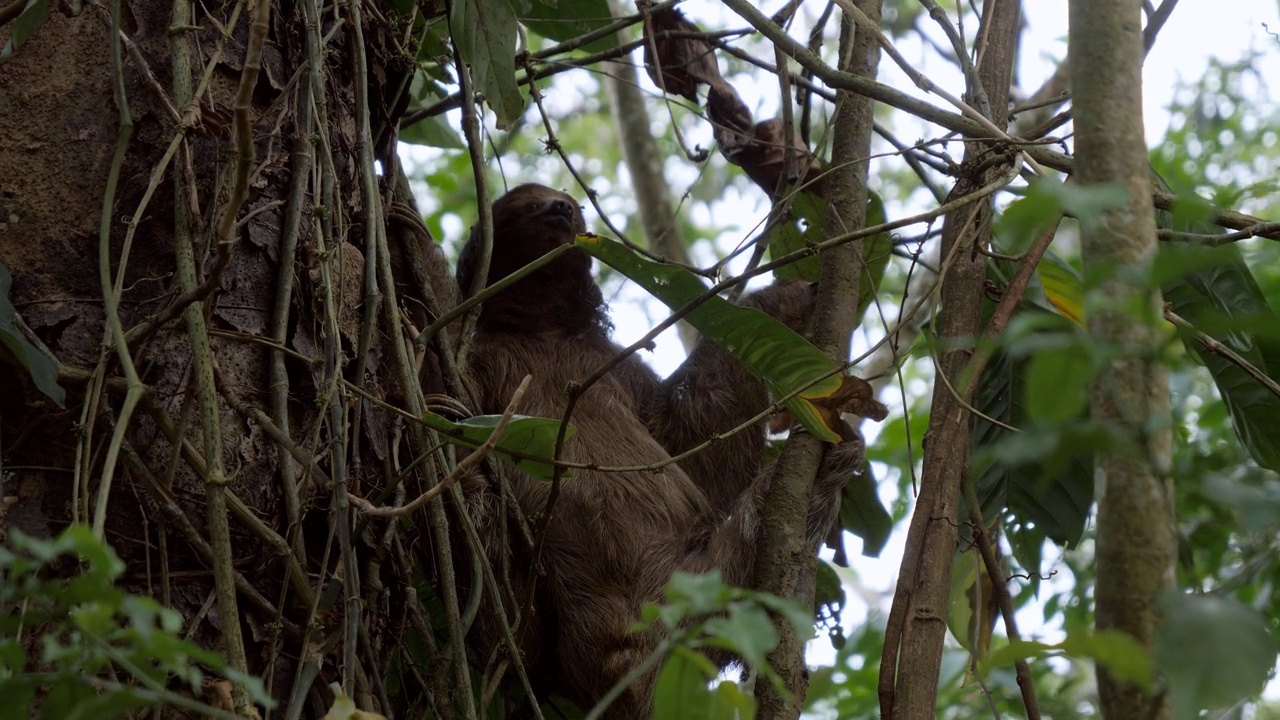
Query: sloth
point(613, 539)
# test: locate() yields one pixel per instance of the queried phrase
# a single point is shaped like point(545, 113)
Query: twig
point(463, 467)
point(483, 229)
point(111, 297)
point(1001, 588)
point(1262, 229)
point(626, 681)
point(1225, 352)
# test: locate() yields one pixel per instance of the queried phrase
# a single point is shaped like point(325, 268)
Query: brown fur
point(615, 538)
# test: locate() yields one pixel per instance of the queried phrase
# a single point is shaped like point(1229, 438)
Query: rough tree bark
point(917, 622)
point(216, 327)
point(782, 565)
point(1137, 541)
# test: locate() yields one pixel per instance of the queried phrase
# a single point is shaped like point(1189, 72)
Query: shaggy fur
point(615, 538)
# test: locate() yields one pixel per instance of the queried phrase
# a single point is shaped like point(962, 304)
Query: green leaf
point(23, 27)
point(811, 212)
point(698, 594)
point(485, 33)
point(1213, 651)
point(1024, 219)
point(876, 251)
point(1118, 652)
point(528, 442)
point(434, 131)
point(681, 690)
point(746, 630)
point(783, 360)
point(1062, 287)
point(113, 704)
point(42, 367)
point(802, 229)
point(18, 692)
point(1257, 501)
point(827, 589)
point(729, 702)
point(801, 620)
point(862, 513)
point(1042, 475)
point(966, 572)
point(1057, 385)
point(1220, 297)
point(562, 20)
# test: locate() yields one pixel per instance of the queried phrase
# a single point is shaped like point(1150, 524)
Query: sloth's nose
point(560, 208)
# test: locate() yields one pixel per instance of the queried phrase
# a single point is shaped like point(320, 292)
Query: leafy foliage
point(567, 19)
point(787, 364)
point(1234, 651)
point(701, 611)
point(1219, 296)
point(91, 633)
point(485, 34)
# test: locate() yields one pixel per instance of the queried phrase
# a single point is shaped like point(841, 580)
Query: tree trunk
point(241, 331)
point(917, 621)
point(1137, 541)
point(783, 565)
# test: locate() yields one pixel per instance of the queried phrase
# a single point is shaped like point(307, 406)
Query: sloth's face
point(540, 218)
point(529, 222)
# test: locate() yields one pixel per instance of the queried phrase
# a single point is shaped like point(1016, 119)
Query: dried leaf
point(854, 395)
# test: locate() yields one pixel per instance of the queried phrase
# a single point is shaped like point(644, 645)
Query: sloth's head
point(529, 222)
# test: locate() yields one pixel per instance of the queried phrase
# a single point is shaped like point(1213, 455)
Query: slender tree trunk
point(783, 565)
point(917, 621)
point(1136, 537)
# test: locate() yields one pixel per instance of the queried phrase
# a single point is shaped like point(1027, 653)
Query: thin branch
point(464, 466)
point(1225, 352)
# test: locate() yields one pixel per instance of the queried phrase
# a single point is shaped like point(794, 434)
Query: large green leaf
point(528, 442)
point(803, 228)
point(434, 131)
point(682, 690)
point(562, 20)
point(783, 360)
point(1119, 653)
point(811, 212)
point(1220, 297)
point(20, 351)
point(1047, 485)
point(862, 513)
point(485, 33)
point(1233, 651)
point(24, 26)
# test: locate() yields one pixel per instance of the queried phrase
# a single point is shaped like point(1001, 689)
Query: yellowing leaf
point(1062, 288)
